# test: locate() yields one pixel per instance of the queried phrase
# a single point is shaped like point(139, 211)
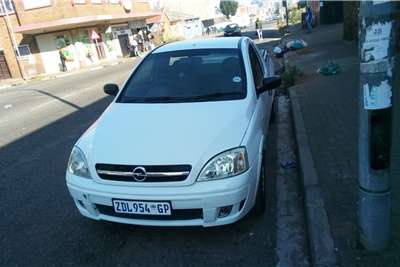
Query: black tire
point(274, 110)
point(259, 206)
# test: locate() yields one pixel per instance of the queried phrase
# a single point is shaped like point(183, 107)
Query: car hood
point(164, 134)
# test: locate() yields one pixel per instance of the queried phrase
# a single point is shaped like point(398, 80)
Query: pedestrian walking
point(146, 40)
point(62, 59)
point(140, 41)
point(259, 29)
point(309, 19)
point(151, 40)
point(134, 47)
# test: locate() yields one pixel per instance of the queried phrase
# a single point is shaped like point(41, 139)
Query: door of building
point(49, 52)
point(124, 42)
point(4, 71)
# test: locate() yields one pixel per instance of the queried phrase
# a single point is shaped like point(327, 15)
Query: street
point(40, 226)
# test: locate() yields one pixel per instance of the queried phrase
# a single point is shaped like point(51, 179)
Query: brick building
point(85, 32)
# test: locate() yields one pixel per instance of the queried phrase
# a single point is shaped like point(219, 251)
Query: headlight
point(77, 164)
point(224, 165)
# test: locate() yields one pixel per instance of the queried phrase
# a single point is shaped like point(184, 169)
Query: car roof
point(220, 42)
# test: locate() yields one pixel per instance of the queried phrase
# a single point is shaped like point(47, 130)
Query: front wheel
point(259, 206)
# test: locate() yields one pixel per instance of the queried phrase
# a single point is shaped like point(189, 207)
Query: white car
point(182, 142)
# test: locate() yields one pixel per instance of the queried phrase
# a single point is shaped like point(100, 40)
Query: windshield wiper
point(213, 95)
point(162, 99)
point(169, 99)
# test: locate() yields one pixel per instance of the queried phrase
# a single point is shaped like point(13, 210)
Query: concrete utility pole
point(285, 4)
point(377, 36)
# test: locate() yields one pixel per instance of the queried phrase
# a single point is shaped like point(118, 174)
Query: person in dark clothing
point(259, 29)
point(62, 58)
point(309, 19)
point(140, 41)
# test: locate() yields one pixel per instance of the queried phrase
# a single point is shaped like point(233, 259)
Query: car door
point(258, 75)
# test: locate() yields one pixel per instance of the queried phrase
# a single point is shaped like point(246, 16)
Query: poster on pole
point(376, 44)
point(377, 97)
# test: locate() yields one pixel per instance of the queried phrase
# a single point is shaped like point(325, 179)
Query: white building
point(204, 9)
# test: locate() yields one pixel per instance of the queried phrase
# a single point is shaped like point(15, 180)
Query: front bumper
point(194, 205)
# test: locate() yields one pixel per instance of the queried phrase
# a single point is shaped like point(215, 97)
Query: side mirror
point(111, 89)
point(270, 83)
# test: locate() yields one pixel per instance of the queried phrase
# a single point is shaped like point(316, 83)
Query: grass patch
point(290, 76)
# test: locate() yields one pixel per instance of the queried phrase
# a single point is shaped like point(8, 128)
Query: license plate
point(141, 207)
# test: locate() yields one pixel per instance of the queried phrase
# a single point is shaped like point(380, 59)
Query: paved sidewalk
point(43, 77)
point(329, 108)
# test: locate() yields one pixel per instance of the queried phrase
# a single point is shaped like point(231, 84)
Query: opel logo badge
point(139, 174)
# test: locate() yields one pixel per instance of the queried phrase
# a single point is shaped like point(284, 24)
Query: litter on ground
point(329, 69)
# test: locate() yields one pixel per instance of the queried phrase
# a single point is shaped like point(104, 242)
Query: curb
point(7, 86)
point(319, 231)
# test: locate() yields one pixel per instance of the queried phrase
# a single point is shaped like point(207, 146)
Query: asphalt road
point(39, 224)
point(269, 31)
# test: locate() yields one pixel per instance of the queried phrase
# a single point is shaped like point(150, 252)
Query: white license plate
point(141, 207)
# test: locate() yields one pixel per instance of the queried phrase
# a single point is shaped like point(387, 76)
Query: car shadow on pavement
point(38, 218)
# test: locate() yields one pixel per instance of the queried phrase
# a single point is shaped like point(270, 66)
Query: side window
point(256, 67)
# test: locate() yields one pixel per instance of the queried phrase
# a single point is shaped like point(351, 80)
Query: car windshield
point(187, 76)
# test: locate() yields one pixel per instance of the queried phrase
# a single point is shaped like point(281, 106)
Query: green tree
point(228, 7)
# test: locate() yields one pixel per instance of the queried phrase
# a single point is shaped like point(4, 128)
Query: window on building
point(7, 6)
point(24, 51)
point(30, 4)
point(62, 41)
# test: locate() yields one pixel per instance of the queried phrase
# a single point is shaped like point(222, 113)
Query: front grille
point(154, 173)
point(179, 214)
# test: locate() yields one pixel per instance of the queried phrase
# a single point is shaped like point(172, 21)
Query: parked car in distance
point(232, 29)
point(182, 143)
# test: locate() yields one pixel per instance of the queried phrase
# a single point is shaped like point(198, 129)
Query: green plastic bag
point(329, 69)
